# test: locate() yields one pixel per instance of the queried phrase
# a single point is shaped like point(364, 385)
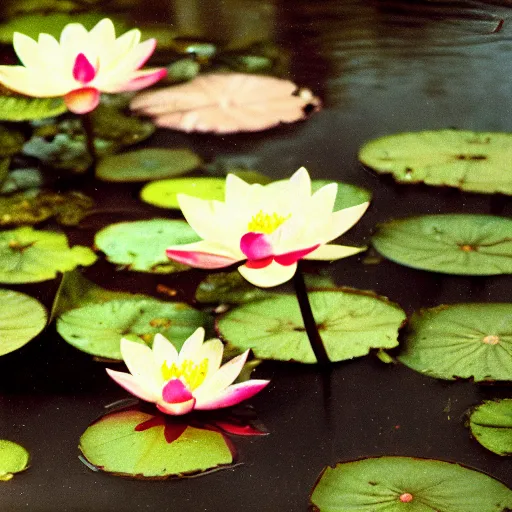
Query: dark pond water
point(380, 67)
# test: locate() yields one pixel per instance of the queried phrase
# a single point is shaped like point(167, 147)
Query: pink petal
point(255, 246)
point(82, 101)
point(233, 395)
point(143, 80)
point(264, 262)
point(176, 409)
point(176, 392)
point(290, 258)
point(147, 48)
point(155, 421)
point(239, 430)
point(83, 70)
point(131, 385)
point(199, 259)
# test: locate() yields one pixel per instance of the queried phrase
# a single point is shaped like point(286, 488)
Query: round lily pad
point(140, 245)
point(449, 244)
point(350, 322)
point(21, 319)
point(20, 108)
point(13, 459)
point(98, 328)
point(395, 484)
point(30, 256)
point(163, 193)
point(461, 341)
point(139, 444)
point(491, 425)
point(348, 195)
point(471, 161)
point(147, 164)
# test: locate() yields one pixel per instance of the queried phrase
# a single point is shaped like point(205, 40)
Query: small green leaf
point(396, 484)
point(11, 142)
point(350, 322)
point(140, 245)
point(13, 459)
point(450, 244)
point(461, 341)
point(471, 161)
point(182, 70)
point(119, 443)
point(491, 425)
point(30, 256)
point(147, 164)
point(20, 108)
point(22, 318)
point(348, 195)
point(98, 328)
point(19, 180)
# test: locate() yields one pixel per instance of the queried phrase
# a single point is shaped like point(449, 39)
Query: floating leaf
point(30, 256)
point(18, 180)
point(31, 208)
point(183, 70)
point(140, 245)
point(98, 328)
point(20, 108)
point(13, 459)
point(450, 244)
point(226, 103)
point(471, 161)
point(22, 318)
point(351, 322)
point(11, 142)
point(139, 444)
point(348, 195)
point(461, 341)
point(394, 484)
point(147, 164)
point(491, 425)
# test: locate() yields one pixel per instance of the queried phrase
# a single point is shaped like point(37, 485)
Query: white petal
point(201, 215)
point(32, 83)
point(164, 351)
point(301, 183)
point(141, 364)
point(237, 192)
point(102, 36)
point(26, 49)
point(211, 350)
point(192, 346)
point(333, 252)
point(271, 275)
point(343, 220)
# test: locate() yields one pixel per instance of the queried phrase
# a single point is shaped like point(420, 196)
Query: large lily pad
point(450, 244)
point(30, 256)
point(13, 459)
point(98, 328)
point(461, 341)
point(147, 164)
point(491, 425)
point(140, 245)
point(351, 323)
point(21, 319)
point(471, 161)
point(395, 484)
point(135, 443)
point(20, 108)
point(348, 194)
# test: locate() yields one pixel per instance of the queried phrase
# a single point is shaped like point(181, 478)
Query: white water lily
point(269, 227)
point(191, 379)
point(81, 65)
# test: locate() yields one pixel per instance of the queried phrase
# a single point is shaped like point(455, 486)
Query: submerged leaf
point(395, 484)
point(11, 142)
point(450, 244)
point(22, 318)
point(18, 180)
point(20, 108)
point(350, 322)
point(13, 459)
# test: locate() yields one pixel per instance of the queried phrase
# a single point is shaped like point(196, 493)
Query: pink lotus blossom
point(226, 103)
point(81, 65)
point(192, 379)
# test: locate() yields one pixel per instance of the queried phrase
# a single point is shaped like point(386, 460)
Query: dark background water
point(380, 67)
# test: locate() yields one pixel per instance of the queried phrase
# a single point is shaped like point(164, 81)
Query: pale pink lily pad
point(226, 103)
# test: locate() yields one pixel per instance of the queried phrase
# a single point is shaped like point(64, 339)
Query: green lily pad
point(147, 164)
point(351, 323)
point(471, 161)
point(19, 180)
point(348, 195)
point(11, 142)
point(98, 328)
point(30, 256)
point(491, 425)
point(461, 341)
point(33, 207)
point(140, 245)
point(182, 70)
point(22, 318)
point(163, 193)
point(20, 108)
point(395, 484)
point(449, 244)
point(119, 443)
point(13, 459)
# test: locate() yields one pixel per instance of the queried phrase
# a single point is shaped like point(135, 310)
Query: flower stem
point(89, 139)
point(309, 320)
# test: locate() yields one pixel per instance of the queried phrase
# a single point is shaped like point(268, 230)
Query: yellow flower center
point(191, 374)
point(265, 222)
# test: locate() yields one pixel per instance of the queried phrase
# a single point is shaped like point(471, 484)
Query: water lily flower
point(192, 379)
point(81, 65)
point(268, 227)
